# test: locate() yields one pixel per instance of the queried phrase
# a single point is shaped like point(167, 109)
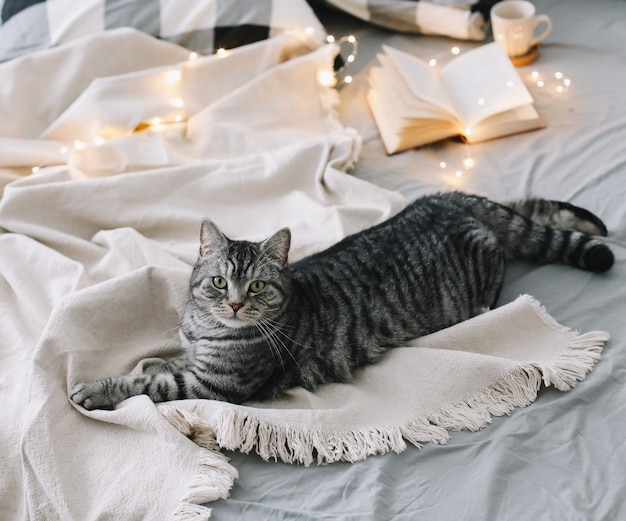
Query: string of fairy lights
point(556, 82)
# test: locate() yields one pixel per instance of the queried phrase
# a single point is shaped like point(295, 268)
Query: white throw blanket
point(98, 244)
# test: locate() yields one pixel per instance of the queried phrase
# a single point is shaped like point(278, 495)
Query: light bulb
point(173, 76)
point(326, 78)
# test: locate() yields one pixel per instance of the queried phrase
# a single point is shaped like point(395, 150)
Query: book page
point(388, 79)
point(421, 78)
point(483, 82)
point(413, 132)
point(514, 121)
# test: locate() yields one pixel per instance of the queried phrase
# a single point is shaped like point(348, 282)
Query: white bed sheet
point(563, 457)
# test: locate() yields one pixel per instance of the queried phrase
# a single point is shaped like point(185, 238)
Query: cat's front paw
point(93, 395)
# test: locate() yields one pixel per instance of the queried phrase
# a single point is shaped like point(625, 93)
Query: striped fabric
point(206, 25)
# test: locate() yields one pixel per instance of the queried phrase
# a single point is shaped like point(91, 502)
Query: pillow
point(463, 19)
point(200, 25)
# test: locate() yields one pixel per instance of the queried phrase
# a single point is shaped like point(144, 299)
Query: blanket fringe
point(583, 352)
point(241, 429)
point(214, 475)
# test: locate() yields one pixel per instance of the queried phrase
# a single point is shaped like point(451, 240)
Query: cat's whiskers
point(278, 328)
point(271, 340)
point(274, 330)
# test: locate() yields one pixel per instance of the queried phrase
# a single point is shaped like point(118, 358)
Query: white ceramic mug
point(514, 23)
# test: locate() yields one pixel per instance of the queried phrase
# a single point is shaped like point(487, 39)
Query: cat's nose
point(236, 306)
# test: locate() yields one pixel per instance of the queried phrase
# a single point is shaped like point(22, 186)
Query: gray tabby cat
point(255, 325)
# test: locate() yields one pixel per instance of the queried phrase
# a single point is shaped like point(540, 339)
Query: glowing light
point(481, 101)
point(79, 145)
point(326, 78)
point(432, 62)
point(350, 58)
point(35, 169)
point(442, 164)
point(540, 83)
point(193, 56)
point(351, 39)
point(468, 162)
point(459, 173)
point(309, 30)
point(567, 82)
point(468, 131)
point(155, 121)
point(348, 79)
point(455, 50)
point(177, 102)
point(330, 38)
point(558, 75)
point(559, 89)
point(173, 77)
point(178, 118)
point(98, 141)
point(221, 52)
point(509, 83)
point(535, 75)
point(64, 150)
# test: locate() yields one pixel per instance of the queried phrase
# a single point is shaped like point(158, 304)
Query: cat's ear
point(210, 237)
point(277, 246)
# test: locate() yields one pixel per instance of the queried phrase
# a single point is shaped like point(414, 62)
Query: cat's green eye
point(256, 286)
point(219, 282)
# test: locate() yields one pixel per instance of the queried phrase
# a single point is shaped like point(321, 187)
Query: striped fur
point(256, 325)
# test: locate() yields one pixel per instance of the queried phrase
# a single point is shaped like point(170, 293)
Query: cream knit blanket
point(100, 217)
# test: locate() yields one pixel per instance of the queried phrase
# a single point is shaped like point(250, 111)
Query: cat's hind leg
point(559, 215)
point(493, 259)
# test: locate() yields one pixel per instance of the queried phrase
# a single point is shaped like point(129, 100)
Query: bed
point(118, 134)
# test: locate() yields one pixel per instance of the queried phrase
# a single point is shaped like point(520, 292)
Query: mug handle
point(539, 19)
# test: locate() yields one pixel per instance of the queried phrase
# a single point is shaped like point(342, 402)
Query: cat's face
point(241, 283)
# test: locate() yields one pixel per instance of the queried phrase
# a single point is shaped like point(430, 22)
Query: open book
point(478, 96)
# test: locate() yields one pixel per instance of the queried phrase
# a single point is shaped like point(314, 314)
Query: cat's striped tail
point(543, 231)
